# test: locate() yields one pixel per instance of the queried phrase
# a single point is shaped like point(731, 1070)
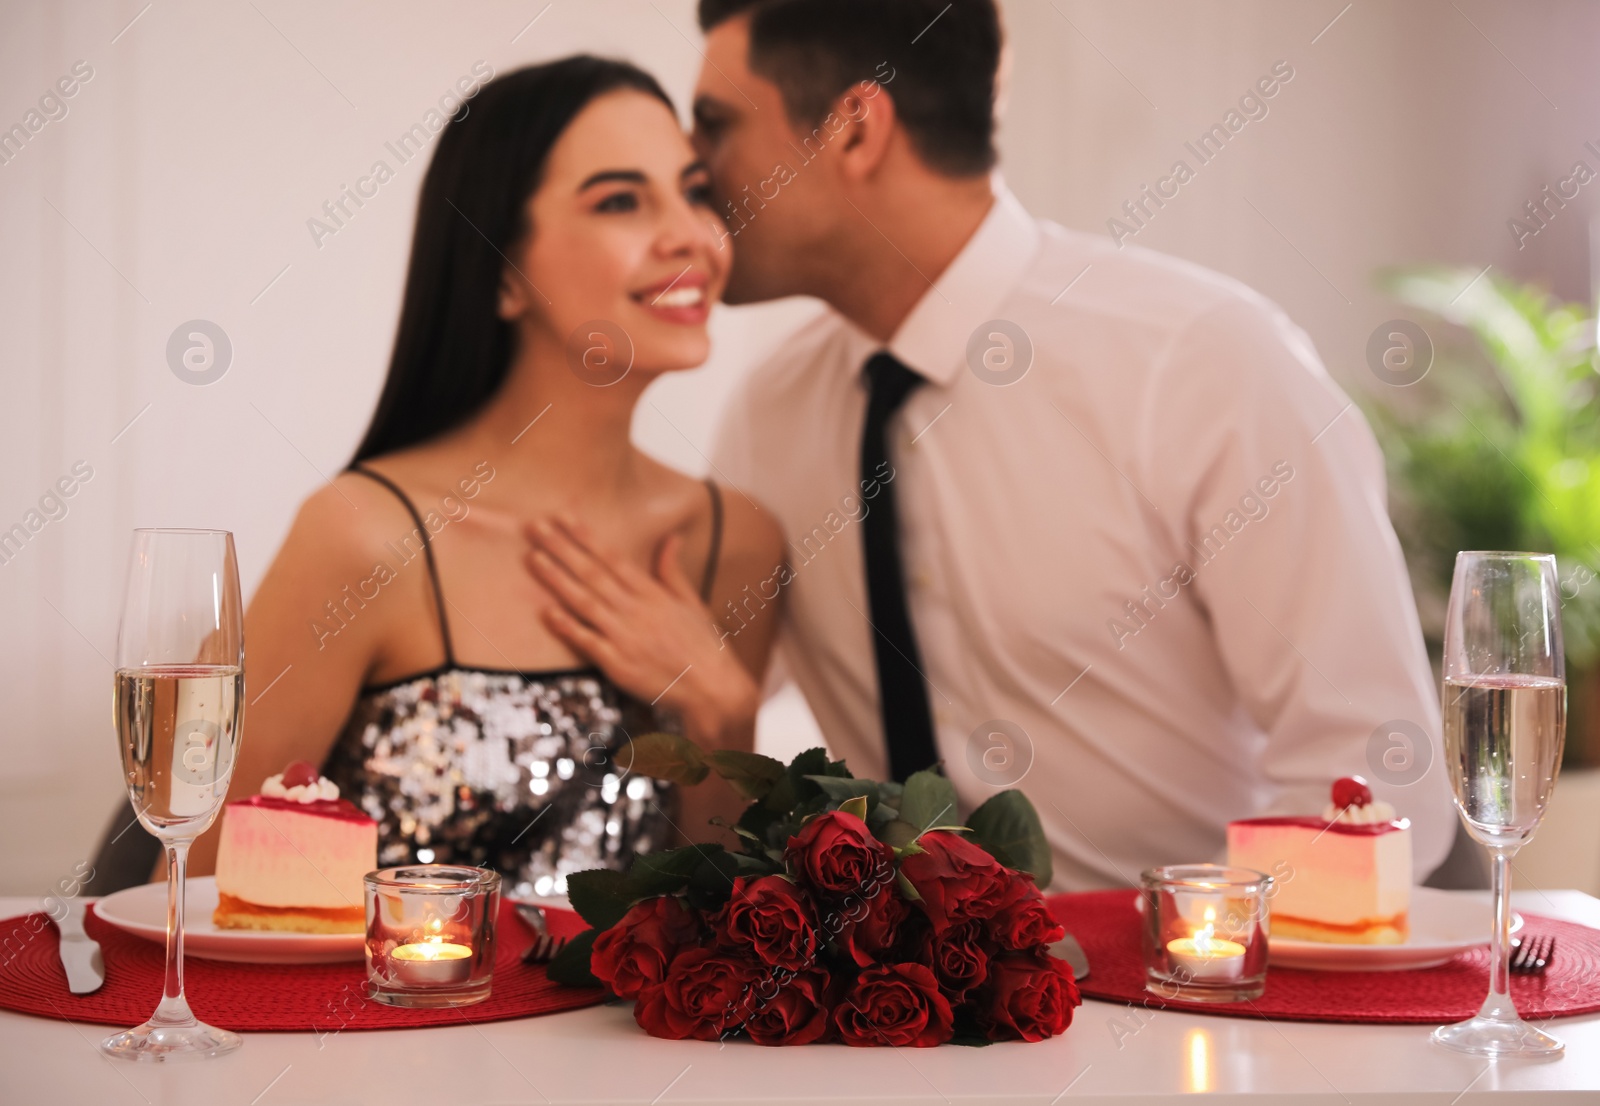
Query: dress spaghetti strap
point(427, 551)
point(716, 541)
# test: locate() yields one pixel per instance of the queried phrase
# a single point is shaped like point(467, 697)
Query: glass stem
point(1499, 1005)
point(174, 1009)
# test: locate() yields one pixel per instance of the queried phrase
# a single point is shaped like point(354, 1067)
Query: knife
point(80, 956)
point(1069, 950)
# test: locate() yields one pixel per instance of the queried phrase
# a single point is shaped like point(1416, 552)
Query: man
point(1088, 521)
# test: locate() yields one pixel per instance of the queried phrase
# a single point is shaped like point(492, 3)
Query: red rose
point(867, 928)
point(635, 953)
point(836, 854)
point(1026, 924)
point(769, 918)
point(959, 958)
point(957, 880)
point(703, 996)
point(789, 1011)
point(1031, 997)
point(895, 1005)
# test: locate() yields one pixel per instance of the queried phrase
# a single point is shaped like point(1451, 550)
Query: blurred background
point(1420, 195)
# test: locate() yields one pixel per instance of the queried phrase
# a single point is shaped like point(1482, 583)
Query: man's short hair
point(937, 58)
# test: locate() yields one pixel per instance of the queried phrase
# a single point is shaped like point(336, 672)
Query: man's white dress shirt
point(1153, 580)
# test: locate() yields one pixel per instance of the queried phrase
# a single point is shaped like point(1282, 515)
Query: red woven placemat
point(329, 998)
point(1107, 924)
point(319, 998)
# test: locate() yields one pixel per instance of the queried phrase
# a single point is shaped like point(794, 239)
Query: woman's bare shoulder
point(347, 522)
point(752, 536)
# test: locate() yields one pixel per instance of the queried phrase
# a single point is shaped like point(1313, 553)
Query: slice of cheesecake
point(293, 857)
point(1343, 878)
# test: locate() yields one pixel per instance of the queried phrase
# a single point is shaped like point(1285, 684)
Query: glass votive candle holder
point(430, 934)
point(1205, 932)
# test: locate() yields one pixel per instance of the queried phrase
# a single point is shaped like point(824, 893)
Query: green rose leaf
point(664, 756)
point(797, 786)
point(712, 882)
point(898, 833)
point(758, 819)
point(842, 790)
point(969, 1040)
point(813, 760)
point(751, 774)
point(856, 806)
point(1007, 828)
point(571, 965)
point(665, 873)
point(600, 896)
point(929, 800)
point(967, 1031)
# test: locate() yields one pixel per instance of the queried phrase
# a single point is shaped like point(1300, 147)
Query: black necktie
point(902, 690)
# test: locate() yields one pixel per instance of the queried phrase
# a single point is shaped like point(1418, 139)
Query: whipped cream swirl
point(323, 790)
point(1368, 814)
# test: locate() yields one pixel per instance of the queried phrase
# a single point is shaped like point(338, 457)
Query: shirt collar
point(933, 338)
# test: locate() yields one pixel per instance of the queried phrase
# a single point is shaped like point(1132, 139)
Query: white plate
point(142, 911)
point(1443, 923)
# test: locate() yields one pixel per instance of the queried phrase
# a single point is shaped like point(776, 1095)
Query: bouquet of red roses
point(852, 911)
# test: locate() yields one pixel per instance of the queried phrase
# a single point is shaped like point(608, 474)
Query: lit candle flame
point(1203, 936)
point(1205, 953)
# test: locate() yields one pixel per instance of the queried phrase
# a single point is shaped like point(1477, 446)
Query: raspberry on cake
point(1343, 878)
point(293, 857)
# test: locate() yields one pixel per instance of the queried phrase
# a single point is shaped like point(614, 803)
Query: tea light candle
point(1204, 937)
point(431, 962)
point(430, 934)
point(1207, 956)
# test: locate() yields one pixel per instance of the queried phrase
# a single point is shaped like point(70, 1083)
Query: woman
point(414, 635)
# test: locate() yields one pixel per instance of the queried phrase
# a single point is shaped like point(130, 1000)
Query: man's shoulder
point(1090, 275)
point(782, 396)
point(1154, 315)
point(820, 339)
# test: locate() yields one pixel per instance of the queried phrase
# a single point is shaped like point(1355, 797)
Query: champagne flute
point(178, 703)
point(1505, 707)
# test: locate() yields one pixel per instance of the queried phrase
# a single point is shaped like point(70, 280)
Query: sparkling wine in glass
point(1505, 721)
point(178, 703)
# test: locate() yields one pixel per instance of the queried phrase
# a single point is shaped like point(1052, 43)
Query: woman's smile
point(679, 299)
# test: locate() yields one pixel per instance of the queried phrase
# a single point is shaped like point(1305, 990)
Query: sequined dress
point(510, 770)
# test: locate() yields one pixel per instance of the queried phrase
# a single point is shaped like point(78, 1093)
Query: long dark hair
point(451, 349)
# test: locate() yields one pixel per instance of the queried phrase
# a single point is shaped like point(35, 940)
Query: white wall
point(1411, 131)
point(179, 184)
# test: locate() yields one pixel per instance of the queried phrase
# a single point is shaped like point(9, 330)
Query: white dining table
point(1113, 1053)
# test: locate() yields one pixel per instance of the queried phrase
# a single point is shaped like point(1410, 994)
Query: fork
point(533, 914)
point(544, 949)
point(1532, 955)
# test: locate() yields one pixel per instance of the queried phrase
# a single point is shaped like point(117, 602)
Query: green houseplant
point(1501, 451)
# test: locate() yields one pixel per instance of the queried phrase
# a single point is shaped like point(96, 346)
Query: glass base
point(1195, 990)
point(1497, 1037)
point(157, 1043)
point(429, 998)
